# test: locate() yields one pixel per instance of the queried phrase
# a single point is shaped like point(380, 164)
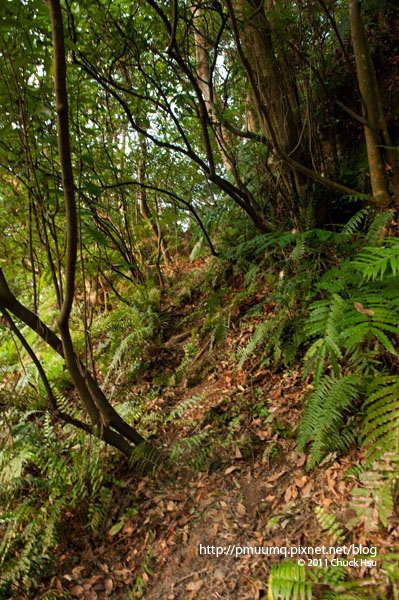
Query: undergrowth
point(328, 299)
point(44, 475)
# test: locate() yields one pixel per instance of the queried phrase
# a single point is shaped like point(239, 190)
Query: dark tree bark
point(375, 130)
point(105, 421)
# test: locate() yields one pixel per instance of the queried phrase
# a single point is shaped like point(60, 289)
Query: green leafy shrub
point(44, 474)
point(354, 333)
point(123, 333)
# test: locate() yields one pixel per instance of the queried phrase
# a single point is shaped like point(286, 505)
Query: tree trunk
point(203, 68)
point(101, 413)
point(371, 106)
point(145, 209)
point(275, 91)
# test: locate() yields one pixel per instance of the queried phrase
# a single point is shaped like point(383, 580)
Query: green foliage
point(144, 457)
point(352, 333)
point(135, 117)
point(299, 256)
point(288, 581)
point(324, 321)
point(217, 320)
point(374, 233)
point(390, 564)
point(44, 474)
point(379, 262)
point(269, 335)
point(180, 409)
point(330, 525)
point(326, 414)
point(380, 430)
point(194, 451)
point(125, 332)
point(379, 480)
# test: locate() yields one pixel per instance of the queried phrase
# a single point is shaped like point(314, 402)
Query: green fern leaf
point(288, 581)
point(323, 423)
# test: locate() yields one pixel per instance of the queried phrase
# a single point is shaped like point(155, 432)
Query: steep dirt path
point(196, 529)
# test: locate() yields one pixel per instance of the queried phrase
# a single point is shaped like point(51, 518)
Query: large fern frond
point(380, 431)
point(376, 261)
point(324, 323)
point(288, 581)
point(324, 420)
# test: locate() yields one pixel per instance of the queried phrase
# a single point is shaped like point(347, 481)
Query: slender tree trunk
point(371, 106)
point(102, 414)
point(203, 68)
point(274, 89)
point(145, 209)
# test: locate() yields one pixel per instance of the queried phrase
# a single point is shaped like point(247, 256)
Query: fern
point(271, 334)
point(374, 499)
point(390, 565)
point(324, 321)
point(181, 408)
point(366, 317)
point(356, 331)
point(216, 321)
point(144, 457)
point(376, 228)
point(329, 524)
point(380, 431)
point(126, 331)
point(376, 261)
point(354, 223)
point(198, 447)
point(36, 484)
point(288, 581)
point(324, 420)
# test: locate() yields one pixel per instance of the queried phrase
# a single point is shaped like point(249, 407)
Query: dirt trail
point(238, 485)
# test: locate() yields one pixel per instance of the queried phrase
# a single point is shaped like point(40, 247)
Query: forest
point(199, 295)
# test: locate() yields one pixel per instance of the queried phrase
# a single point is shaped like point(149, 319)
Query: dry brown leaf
point(128, 528)
point(277, 475)
point(360, 308)
point(184, 520)
point(241, 509)
point(223, 505)
point(301, 459)
point(109, 586)
point(308, 488)
point(237, 453)
point(288, 494)
point(231, 469)
point(171, 506)
point(300, 481)
point(218, 574)
point(77, 591)
point(178, 496)
point(331, 483)
point(194, 586)
point(140, 486)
